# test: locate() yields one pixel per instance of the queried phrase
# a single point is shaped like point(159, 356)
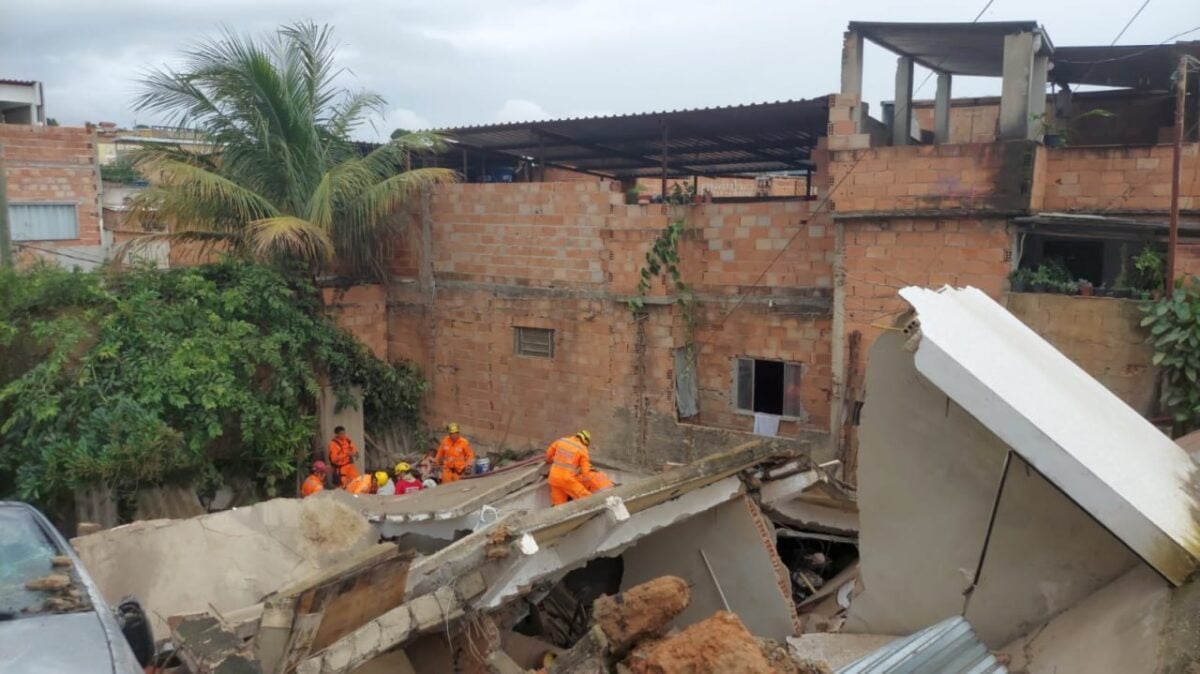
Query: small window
point(768, 386)
point(534, 342)
point(43, 222)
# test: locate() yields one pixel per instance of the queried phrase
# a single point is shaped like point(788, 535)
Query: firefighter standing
point(342, 453)
point(569, 464)
point(454, 455)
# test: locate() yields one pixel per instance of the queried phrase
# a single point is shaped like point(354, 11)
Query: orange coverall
point(341, 454)
point(597, 481)
point(312, 484)
point(454, 456)
point(363, 484)
point(568, 459)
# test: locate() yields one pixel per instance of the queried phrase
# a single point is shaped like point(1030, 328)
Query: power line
point(1129, 23)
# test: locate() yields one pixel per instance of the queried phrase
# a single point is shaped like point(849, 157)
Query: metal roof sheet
point(957, 48)
point(949, 647)
point(1134, 66)
point(754, 138)
point(1134, 480)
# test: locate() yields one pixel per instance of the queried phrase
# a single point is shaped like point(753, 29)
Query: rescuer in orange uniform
point(341, 454)
point(454, 455)
point(315, 481)
point(569, 463)
point(597, 481)
point(362, 484)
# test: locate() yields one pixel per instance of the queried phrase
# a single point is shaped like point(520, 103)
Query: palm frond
point(289, 237)
point(188, 193)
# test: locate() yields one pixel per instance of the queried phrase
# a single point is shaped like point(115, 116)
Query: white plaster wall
point(928, 473)
point(740, 560)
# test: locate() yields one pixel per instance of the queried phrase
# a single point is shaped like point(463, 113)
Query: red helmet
point(320, 467)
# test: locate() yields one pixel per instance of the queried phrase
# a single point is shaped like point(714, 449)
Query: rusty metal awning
point(956, 48)
point(741, 139)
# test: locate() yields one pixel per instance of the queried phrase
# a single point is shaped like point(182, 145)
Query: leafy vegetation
point(1174, 324)
point(1049, 277)
point(183, 376)
point(282, 181)
point(121, 170)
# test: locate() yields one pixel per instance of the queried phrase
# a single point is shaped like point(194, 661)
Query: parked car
point(52, 616)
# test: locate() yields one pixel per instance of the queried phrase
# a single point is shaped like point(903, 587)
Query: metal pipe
point(716, 583)
point(666, 137)
point(1176, 159)
point(987, 538)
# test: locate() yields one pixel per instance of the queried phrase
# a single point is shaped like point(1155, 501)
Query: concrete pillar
point(902, 118)
point(941, 109)
point(1037, 93)
point(852, 74)
point(1019, 51)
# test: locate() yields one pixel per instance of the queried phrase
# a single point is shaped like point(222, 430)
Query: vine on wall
point(1174, 324)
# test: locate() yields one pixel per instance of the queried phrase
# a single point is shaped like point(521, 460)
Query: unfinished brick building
point(53, 192)
point(512, 289)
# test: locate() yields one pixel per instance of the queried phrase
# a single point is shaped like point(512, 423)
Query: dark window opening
point(768, 386)
point(1116, 266)
point(1083, 259)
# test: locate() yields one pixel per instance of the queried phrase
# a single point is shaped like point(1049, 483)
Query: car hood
point(49, 644)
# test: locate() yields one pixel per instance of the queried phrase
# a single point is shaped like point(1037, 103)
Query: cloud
point(520, 110)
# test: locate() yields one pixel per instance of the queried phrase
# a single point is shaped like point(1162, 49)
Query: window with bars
point(533, 342)
point(43, 222)
point(768, 386)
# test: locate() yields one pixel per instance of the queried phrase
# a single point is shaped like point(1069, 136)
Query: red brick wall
point(567, 256)
point(1119, 178)
point(990, 177)
point(361, 311)
point(882, 257)
point(54, 164)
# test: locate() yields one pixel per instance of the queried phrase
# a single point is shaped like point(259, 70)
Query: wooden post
point(1176, 159)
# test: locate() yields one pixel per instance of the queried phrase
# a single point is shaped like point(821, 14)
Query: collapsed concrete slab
point(999, 481)
point(224, 561)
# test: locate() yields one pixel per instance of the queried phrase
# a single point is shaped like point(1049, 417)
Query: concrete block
point(395, 625)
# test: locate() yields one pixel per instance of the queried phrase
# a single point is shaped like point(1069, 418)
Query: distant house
point(21, 102)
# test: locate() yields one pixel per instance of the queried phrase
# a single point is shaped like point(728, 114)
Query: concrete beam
point(1037, 93)
point(852, 74)
point(941, 109)
point(1020, 51)
point(902, 117)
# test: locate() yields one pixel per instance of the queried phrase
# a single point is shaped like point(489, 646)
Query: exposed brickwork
point(54, 164)
point(983, 177)
point(1107, 179)
point(566, 256)
point(361, 311)
point(1101, 335)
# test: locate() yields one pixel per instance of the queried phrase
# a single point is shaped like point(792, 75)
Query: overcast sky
point(454, 62)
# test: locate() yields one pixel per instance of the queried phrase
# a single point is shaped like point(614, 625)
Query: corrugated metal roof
point(949, 647)
point(754, 138)
point(23, 83)
point(1135, 66)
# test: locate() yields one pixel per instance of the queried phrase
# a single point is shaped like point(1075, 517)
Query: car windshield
point(26, 555)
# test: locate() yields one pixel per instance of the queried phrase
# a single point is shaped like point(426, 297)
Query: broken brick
point(641, 611)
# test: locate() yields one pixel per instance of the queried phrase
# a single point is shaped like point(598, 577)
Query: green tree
point(283, 182)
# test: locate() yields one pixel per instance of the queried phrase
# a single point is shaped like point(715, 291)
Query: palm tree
point(279, 178)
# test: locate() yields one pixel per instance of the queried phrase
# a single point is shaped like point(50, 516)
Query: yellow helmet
point(402, 468)
point(451, 427)
point(585, 437)
point(381, 478)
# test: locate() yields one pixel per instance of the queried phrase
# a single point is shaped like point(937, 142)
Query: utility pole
point(5, 237)
point(1176, 160)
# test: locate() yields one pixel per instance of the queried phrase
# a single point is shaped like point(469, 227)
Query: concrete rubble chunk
point(720, 644)
point(641, 611)
point(224, 561)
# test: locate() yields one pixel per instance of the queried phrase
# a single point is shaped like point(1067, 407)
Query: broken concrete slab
point(834, 648)
point(1085, 440)
point(1117, 629)
point(223, 561)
